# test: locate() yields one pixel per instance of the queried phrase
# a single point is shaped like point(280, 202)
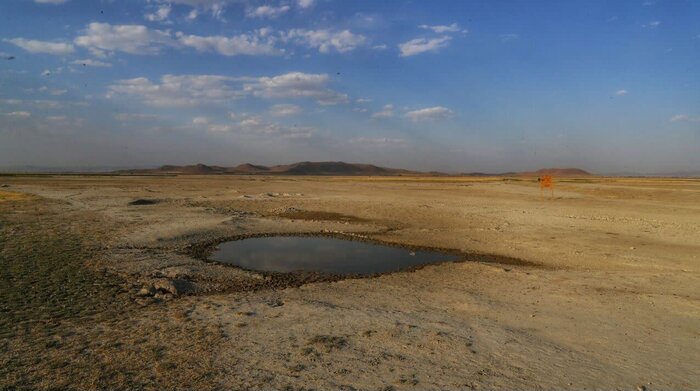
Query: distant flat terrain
point(102, 284)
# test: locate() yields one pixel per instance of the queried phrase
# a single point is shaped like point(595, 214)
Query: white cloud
point(200, 121)
point(19, 114)
point(363, 100)
point(297, 85)
point(266, 11)
point(442, 29)
point(134, 117)
point(255, 126)
point(192, 15)
point(421, 45)
point(509, 37)
point(387, 112)
point(54, 92)
point(684, 118)
point(51, 1)
point(178, 90)
point(653, 24)
point(377, 141)
point(56, 118)
point(160, 15)
point(40, 103)
point(91, 63)
point(49, 72)
point(327, 40)
point(621, 92)
point(430, 113)
point(283, 110)
point(305, 3)
point(193, 90)
point(215, 7)
point(259, 42)
point(134, 39)
point(34, 46)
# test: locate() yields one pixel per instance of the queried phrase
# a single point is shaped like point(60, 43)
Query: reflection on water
point(321, 254)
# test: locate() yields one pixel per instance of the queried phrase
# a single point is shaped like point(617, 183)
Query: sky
point(456, 86)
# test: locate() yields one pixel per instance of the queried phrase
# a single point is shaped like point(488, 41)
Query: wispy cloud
point(91, 63)
point(508, 37)
point(256, 126)
point(387, 112)
point(283, 110)
point(134, 117)
point(422, 45)
point(18, 114)
point(305, 3)
point(684, 118)
point(267, 11)
point(429, 113)
point(197, 90)
point(443, 29)
point(621, 92)
point(378, 141)
point(34, 46)
point(178, 90)
point(200, 121)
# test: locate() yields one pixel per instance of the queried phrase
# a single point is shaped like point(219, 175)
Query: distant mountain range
point(323, 168)
point(301, 168)
point(329, 168)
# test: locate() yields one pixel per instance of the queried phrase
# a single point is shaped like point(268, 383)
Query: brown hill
point(248, 168)
point(561, 172)
point(333, 168)
point(302, 168)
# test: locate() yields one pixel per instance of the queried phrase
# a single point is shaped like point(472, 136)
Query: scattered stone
point(245, 313)
point(275, 303)
point(146, 291)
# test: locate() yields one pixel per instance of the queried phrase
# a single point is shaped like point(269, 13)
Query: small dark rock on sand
point(143, 201)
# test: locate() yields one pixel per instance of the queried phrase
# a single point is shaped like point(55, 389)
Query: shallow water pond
point(321, 254)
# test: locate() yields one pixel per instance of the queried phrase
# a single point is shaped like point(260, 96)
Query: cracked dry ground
point(608, 296)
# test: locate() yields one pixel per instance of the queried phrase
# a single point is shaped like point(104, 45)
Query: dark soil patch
point(143, 201)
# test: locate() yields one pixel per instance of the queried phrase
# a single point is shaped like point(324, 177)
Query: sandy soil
point(607, 295)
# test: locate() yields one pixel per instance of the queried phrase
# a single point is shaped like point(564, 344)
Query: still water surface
point(321, 254)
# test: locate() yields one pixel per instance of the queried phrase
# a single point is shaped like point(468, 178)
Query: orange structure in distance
point(546, 181)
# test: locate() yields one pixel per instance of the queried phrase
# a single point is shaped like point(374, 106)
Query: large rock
point(176, 287)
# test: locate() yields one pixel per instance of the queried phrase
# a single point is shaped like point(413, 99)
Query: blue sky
point(456, 85)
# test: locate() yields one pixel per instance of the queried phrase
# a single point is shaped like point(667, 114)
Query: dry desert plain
point(596, 288)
